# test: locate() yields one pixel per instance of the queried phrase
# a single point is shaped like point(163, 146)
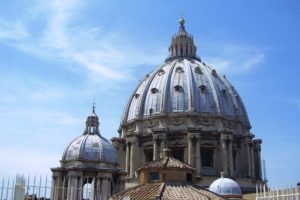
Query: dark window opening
point(154, 90)
point(153, 176)
point(234, 159)
point(207, 156)
point(178, 154)
point(178, 88)
point(189, 177)
point(148, 155)
point(150, 111)
point(202, 88)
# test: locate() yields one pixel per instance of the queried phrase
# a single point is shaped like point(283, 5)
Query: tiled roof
point(172, 192)
point(141, 192)
point(167, 162)
point(164, 191)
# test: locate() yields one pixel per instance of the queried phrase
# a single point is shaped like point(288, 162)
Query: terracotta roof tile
point(164, 191)
point(167, 162)
point(141, 192)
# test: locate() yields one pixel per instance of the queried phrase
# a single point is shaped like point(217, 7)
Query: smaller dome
point(90, 147)
point(225, 187)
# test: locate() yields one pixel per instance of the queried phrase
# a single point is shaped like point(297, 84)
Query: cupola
point(182, 44)
point(92, 123)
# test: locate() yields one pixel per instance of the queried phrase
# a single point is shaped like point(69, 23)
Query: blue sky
point(56, 56)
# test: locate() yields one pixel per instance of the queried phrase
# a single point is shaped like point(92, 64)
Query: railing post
point(2, 188)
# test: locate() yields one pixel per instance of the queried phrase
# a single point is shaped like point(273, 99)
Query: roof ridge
point(161, 190)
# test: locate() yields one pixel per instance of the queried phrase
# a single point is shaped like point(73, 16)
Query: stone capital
point(159, 130)
point(104, 175)
point(193, 130)
point(193, 135)
point(132, 138)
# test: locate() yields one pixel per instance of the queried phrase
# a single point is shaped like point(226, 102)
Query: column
point(248, 159)
point(104, 188)
point(225, 155)
point(98, 192)
point(108, 188)
point(154, 148)
point(259, 163)
point(54, 188)
point(230, 158)
point(190, 149)
point(162, 146)
point(252, 161)
point(132, 162)
point(69, 188)
point(127, 157)
point(198, 154)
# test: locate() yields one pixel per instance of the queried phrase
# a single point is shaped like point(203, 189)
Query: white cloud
point(12, 31)
point(235, 59)
point(64, 39)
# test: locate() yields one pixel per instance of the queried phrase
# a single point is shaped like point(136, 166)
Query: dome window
point(178, 88)
point(223, 91)
point(154, 90)
point(202, 88)
point(198, 70)
point(147, 76)
point(151, 111)
point(161, 72)
point(214, 73)
point(137, 95)
point(179, 70)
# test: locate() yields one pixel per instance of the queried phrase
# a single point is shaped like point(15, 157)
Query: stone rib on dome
point(185, 85)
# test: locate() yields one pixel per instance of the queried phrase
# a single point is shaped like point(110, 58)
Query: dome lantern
point(182, 44)
point(92, 123)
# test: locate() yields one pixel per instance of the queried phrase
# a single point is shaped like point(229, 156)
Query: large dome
point(184, 85)
point(188, 107)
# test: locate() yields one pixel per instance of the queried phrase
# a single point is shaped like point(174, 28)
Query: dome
point(226, 187)
point(91, 146)
point(184, 85)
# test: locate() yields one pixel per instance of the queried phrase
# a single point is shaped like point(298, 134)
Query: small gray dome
point(91, 146)
point(226, 187)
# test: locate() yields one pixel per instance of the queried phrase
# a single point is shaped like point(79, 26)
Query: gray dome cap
point(91, 146)
point(225, 186)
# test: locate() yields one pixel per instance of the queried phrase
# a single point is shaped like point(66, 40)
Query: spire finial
point(94, 105)
point(222, 174)
point(181, 21)
point(181, 27)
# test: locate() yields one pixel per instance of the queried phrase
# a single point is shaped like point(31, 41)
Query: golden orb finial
point(181, 21)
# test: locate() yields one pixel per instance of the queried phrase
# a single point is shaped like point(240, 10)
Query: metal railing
point(265, 193)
